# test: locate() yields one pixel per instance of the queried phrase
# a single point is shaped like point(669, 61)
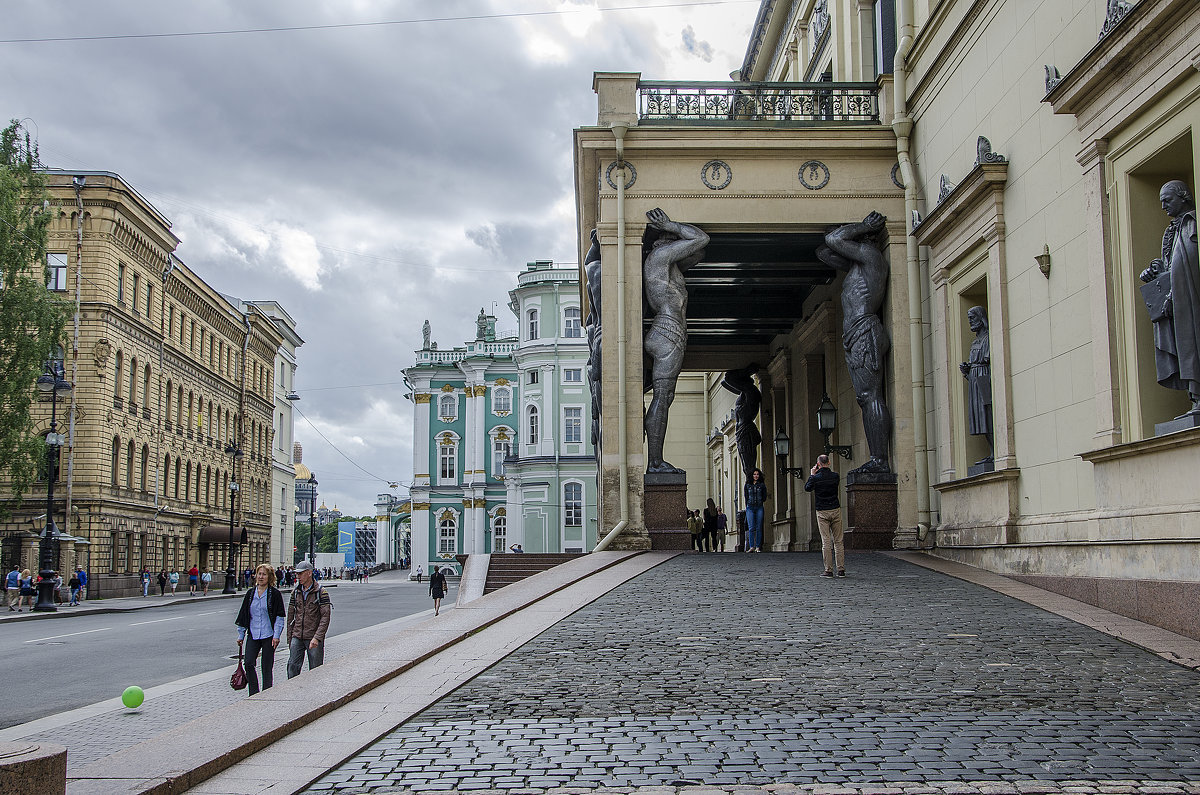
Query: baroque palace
point(1016, 150)
point(173, 402)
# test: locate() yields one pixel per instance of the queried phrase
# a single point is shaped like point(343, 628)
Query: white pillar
point(549, 391)
point(479, 437)
point(515, 512)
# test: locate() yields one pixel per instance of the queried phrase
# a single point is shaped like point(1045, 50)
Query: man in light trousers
point(823, 482)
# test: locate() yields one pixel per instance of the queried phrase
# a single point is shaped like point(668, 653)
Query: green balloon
point(133, 697)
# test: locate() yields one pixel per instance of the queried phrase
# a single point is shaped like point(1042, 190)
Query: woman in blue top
point(261, 617)
point(756, 495)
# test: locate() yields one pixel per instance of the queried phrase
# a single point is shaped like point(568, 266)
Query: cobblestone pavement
point(726, 670)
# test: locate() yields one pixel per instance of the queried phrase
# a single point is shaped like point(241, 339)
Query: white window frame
point(56, 263)
point(448, 399)
point(572, 421)
point(531, 377)
point(569, 504)
point(532, 327)
point(573, 375)
point(447, 542)
point(532, 428)
point(447, 451)
point(572, 323)
point(501, 449)
point(502, 393)
point(499, 534)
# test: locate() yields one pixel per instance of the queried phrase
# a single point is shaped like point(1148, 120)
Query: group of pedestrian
point(198, 581)
point(20, 588)
point(707, 528)
point(263, 621)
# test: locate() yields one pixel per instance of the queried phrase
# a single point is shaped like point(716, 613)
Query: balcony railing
point(766, 104)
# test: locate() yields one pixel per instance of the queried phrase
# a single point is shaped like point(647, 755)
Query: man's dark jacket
point(825, 485)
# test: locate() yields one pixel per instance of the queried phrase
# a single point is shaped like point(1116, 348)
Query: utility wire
point(382, 23)
point(339, 451)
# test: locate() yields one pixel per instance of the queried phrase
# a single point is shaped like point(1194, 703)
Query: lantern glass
point(783, 445)
point(826, 416)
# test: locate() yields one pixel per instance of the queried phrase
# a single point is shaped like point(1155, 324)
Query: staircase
point(505, 569)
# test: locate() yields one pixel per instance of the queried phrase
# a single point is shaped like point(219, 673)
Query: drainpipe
point(902, 125)
point(77, 183)
point(619, 131)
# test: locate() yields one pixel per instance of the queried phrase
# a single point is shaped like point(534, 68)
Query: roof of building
point(302, 472)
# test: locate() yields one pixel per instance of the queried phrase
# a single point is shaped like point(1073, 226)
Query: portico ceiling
point(749, 287)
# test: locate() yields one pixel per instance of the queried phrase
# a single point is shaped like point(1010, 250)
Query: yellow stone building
point(168, 376)
point(1017, 148)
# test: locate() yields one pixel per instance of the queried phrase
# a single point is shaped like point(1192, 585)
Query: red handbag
point(238, 680)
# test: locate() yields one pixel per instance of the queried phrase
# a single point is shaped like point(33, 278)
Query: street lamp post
point(312, 520)
point(826, 424)
point(231, 570)
point(50, 382)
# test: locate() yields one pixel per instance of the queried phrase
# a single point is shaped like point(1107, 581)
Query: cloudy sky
point(389, 161)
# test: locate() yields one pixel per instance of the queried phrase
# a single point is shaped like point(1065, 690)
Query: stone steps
point(505, 569)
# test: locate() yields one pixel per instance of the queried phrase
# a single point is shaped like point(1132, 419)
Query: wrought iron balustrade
point(771, 104)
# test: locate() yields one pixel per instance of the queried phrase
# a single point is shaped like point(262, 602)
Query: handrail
point(712, 102)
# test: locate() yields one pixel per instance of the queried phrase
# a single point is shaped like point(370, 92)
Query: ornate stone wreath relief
point(814, 175)
point(613, 167)
point(713, 171)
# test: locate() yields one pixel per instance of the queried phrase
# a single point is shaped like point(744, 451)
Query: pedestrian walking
point(193, 579)
point(419, 572)
point(823, 483)
point(75, 587)
point(722, 526)
point(25, 587)
point(205, 581)
point(58, 584)
point(437, 588)
point(12, 589)
point(83, 581)
point(710, 524)
point(308, 617)
point(756, 496)
point(145, 583)
point(260, 624)
point(174, 578)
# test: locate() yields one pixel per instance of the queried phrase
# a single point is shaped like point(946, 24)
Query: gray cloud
point(701, 49)
point(366, 178)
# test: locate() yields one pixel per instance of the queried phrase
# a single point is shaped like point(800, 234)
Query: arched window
point(117, 378)
point(208, 423)
point(208, 486)
point(448, 407)
point(500, 534)
point(502, 399)
point(447, 534)
point(133, 374)
point(501, 449)
point(176, 478)
point(145, 466)
point(531, 318)
point(532, 425)
point(166, 474)
point(116, 458)
point(573, 504)
point(129, 464)
point(170, 397)
point(191, 406)
point(198, 484)
point(571, 325)
point(447, 461)
point(179, 405)
point(146, 386)
point(187, 481)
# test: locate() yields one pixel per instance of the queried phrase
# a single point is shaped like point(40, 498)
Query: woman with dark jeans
point(756, 496)
point(261, 618)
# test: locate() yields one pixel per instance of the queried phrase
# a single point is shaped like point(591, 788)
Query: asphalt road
point(56, 665)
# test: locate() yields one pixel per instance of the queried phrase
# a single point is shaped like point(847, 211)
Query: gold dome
point(303, 472)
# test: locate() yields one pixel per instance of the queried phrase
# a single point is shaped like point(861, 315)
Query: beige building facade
point(167, 376)
point(1017, 150)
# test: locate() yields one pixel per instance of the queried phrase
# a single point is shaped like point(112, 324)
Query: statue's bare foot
point(663, 468)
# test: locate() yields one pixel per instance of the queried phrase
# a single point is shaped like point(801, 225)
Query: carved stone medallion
point(814, 175)
point(716, 174)
point(613, 167)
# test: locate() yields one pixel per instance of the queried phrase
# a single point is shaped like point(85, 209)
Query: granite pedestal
point(871, 510)
point(665, 503)
point(1183, 423)
point(33, 767)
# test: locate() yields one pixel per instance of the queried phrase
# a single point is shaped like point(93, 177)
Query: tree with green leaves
point(32, 318)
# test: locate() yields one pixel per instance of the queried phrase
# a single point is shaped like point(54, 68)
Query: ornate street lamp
point(827, 424)
point(783, 446)
point(312, 520)
point(50, 383)
point(235, 455)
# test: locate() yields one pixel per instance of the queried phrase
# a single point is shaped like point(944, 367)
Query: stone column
point(515, 511)
point(481, 523)
point(550, 407)
point(422, 405)
point(866, 40)
point(479, 436)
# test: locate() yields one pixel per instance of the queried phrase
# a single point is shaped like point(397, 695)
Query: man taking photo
point(823, 482)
